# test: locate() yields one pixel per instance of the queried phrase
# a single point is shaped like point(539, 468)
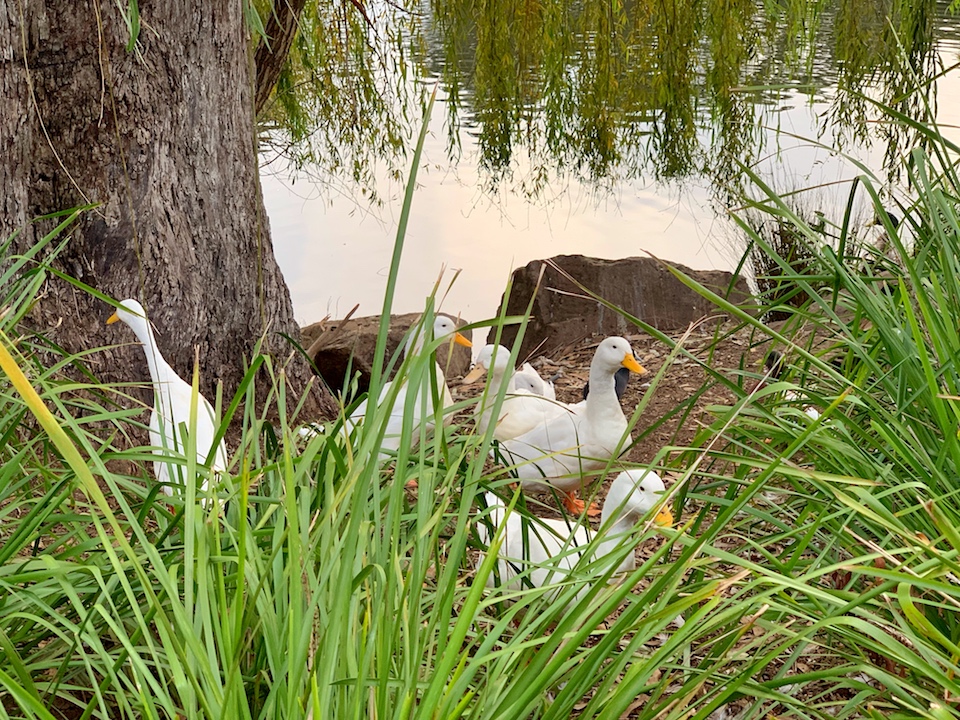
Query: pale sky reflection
point(335, 254)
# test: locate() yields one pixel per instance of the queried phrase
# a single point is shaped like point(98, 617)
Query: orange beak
point(631, 364)
point(473, 375)
point(664, 518)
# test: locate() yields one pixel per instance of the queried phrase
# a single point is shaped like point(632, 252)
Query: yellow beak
point(461, 340)
point(112, 319)
point(473, 375)
point(630, 363)
point(664, 518)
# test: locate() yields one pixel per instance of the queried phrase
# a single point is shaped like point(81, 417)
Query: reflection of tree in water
point(884, 52)
point(600, 90)
point(341, 106)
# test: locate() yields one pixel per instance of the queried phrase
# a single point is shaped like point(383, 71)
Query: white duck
point(521, 409)
point(581, 440)
point(171, 408)
point(421, 405)
point(527, 378)
point(547, 551)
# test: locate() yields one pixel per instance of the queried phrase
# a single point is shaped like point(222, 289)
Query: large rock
point(562, 314)
point(338, 345)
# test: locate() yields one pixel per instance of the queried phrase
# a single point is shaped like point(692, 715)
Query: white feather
point(526, 378)
point(584, 437)
point(521, 410)
point(171, 410)
point(548, 551)
point(415, 401)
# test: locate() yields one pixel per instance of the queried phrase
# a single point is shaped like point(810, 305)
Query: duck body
point(170, 419)
point(583, 438)
point(548, 551)
point(417, 401)
point(522, 411)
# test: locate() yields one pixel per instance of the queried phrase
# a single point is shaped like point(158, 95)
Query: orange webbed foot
point(577, 506)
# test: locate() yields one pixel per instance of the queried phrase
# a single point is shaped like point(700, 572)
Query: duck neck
point(497, 376)
point(416, 344)
point(615, 535)
point(155, 362)
point(603, 392)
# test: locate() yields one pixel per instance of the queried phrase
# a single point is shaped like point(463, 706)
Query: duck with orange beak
point(420, 405)
point(547, 551)
point(582, 441)
point(173, 412)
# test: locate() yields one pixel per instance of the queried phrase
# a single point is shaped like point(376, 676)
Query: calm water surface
point(335, 250)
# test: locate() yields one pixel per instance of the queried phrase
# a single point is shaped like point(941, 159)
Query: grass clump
point(314, 585)
point(862, 502)
point(813, 573)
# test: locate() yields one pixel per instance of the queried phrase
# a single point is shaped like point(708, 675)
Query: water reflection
point(603, 128)
point(608, 91)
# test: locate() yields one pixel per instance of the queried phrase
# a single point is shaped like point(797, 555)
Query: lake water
point(335, 250)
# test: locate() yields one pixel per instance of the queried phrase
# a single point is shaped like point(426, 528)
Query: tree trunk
point(272, 53)
point(163, 138)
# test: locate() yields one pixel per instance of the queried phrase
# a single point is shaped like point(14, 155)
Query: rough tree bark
point(280, 30)
point(164, 139)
